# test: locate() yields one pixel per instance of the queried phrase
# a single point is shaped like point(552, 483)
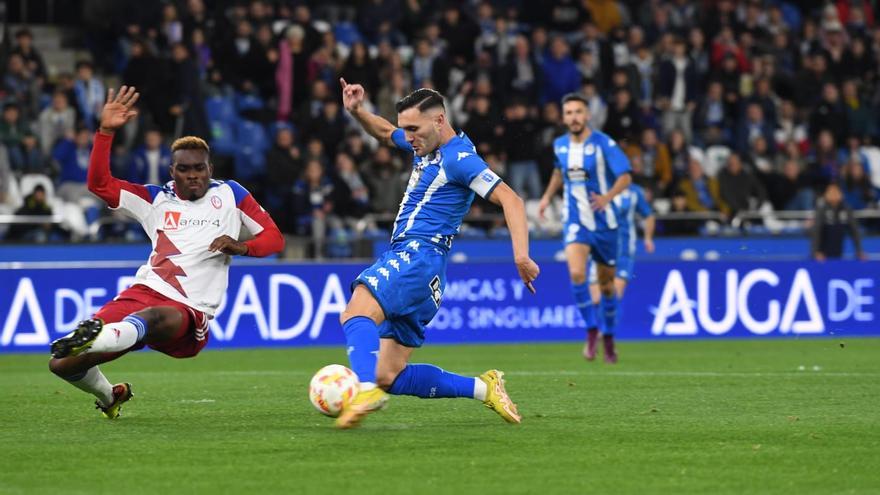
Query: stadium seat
point(220, 108)
point(346, 33)
point(13, 198)
point(30, 181)
point(250, 156)
point(248, 101)
point(872, 164)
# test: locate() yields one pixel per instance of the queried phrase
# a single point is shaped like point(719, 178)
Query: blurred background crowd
point(733, 113)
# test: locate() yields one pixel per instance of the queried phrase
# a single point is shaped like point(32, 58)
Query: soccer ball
point(332, 387)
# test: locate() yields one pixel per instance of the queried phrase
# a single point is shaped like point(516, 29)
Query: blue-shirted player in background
point(629, 203)
point(399, 294)
point(593, 170)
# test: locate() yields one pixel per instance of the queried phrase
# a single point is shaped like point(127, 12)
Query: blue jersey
point(628, 203)
point(440, 190)
point(589, 167)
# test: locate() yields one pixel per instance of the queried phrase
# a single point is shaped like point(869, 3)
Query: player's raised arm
point(515, 216)
point(352, 99)
point(117, 112)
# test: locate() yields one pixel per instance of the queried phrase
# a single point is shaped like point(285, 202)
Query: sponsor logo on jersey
point(463, 154)
point(172, 220)
point(216, 202)
point(589, 149)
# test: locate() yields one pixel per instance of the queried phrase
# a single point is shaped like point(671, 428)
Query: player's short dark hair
point(575, 97)
point(190, 143)
point(423, 99)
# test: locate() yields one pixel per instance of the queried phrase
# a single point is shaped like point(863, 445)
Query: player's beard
point(577, 128)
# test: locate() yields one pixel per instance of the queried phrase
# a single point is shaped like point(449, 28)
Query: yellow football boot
point(497, 398)
point(365, 402)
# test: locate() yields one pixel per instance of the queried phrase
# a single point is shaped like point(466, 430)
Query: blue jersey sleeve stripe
point(153, 190)
point(238, 191)
point(399, 139)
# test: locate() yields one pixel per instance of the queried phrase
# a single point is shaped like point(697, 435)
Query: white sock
point(367, 386)
point(95, 383)
point(117, 336)
point(480, 389)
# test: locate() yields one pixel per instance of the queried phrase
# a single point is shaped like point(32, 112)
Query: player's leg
point(593, 332)
point(620, 286)
point(609, 304)
point(83, 373)
point(149, 326)
point(577, 255)
point(360, 321)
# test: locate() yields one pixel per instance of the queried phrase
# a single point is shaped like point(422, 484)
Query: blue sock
point(430, 382)
point(585, 303)
point(362, 344)
point(609, 313)
point(139, 324)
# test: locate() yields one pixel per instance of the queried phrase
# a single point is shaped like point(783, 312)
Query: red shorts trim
point(193, 333)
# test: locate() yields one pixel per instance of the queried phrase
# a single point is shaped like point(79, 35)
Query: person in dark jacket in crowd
point(833, 220)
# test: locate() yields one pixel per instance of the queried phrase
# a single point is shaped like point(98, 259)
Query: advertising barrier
point(299, 304)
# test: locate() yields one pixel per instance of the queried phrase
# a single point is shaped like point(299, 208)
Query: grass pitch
point(770, 416)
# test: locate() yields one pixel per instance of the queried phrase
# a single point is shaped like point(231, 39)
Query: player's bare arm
point(650, 226)
point(552, 188)
point(515, 216)
point(228, 245)
point(353, 96)
point(600, 201)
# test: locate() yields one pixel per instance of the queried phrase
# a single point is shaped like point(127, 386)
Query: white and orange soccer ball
point(332, 387)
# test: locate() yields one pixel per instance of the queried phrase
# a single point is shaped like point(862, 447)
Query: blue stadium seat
point(346, 33)
point(250, 156)
point(220, 108)
point(222, 139)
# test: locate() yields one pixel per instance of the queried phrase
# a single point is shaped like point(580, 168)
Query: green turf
point(770, 416)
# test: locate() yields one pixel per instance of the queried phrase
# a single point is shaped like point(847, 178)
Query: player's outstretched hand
point(228, 245)
point(542, 207)
point(528, 272)
point(599, 201)
point(118, 109)
point(353, 95)
point(649, 246)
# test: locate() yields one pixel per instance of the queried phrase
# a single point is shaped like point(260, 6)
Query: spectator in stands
point(829, 115)
point(72, 158)
point(21, 84)
point(150, 162)
point(624, 120)
point(422, 63)
point(833, 220)
point(521, 73)
point(859, 116)
point(654, 157)
point(13, 129)
point(33, 159)
point(711, 113)
point(291, 74)
point(329, 126)
point(187, 104)
point(789, 127)
point(90, 94)
point(283, 167)
point(677, 90)
point(825, 161)
point(739, 188)
point(56, 121)
point(855, 186)
point(359, 68)
point(679, 154)
point(33, 60)
point(598, 107)
point(483, 125)
point(752, 126)
point(353, 197)
point(34, 204)
point(560, 74)
point(387, 182)
point(313, 204)
point(790, 189)
point(701, 193)
point(759, 159)
point(519, 146)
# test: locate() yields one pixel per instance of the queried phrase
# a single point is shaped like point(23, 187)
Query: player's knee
point(59, 367)
point(385, 379)
point(577, 278)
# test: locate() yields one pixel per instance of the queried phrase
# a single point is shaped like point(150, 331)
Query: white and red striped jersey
point(180, 266)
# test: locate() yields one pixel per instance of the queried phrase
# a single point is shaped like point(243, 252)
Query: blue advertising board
point(286, 304)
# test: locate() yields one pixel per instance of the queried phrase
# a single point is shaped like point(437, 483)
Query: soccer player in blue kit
point(399, 294)
point(630, 202)
point(593, 170)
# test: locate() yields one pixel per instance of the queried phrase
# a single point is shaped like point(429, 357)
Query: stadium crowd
point(722, 106)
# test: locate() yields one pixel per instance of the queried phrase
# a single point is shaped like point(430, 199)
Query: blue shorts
point(407, 282)
point(625, 264)
point(603, 243)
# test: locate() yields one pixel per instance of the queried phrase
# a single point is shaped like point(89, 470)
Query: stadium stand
point(788, 90)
